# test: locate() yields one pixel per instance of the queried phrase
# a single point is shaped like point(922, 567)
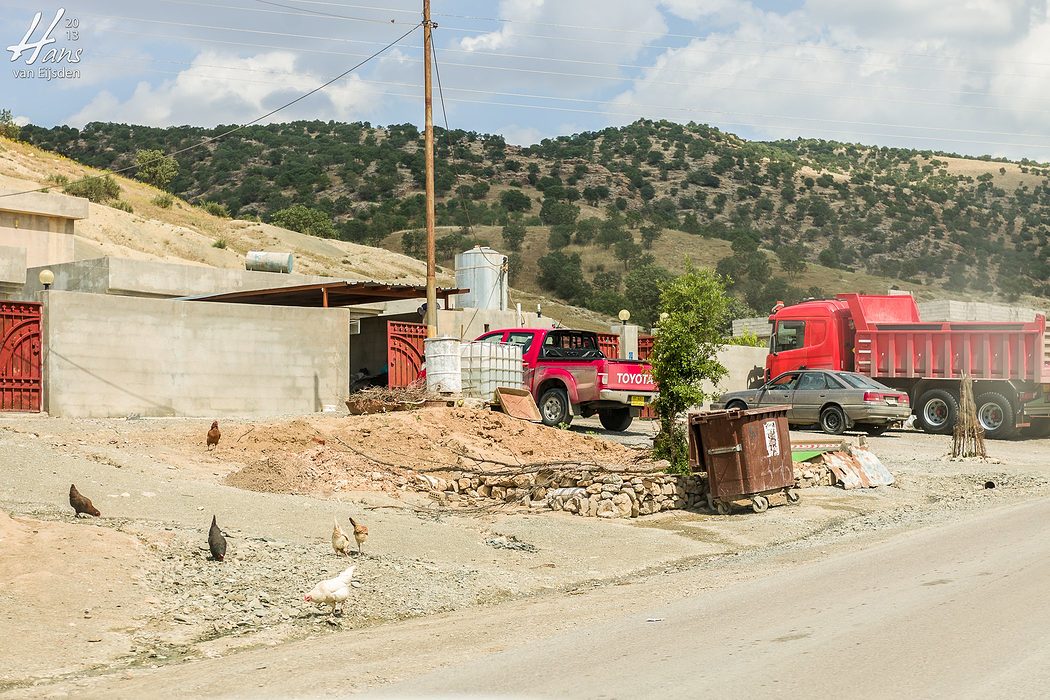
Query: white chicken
point(332, 592)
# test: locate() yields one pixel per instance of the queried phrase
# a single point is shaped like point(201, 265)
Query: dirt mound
point(69, 590)
point(383, 452)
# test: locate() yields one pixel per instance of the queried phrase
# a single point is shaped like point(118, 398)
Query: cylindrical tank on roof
point(484, 271)
point(263, 261)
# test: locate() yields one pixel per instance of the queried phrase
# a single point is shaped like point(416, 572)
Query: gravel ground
point(418, 561)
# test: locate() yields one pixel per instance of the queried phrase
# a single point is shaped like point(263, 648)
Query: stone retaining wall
point(577, 490)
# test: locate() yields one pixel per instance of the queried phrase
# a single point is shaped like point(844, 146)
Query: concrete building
point(41, 224)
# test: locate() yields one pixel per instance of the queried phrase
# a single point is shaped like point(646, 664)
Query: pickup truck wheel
point(937, 412)
point(554, 407)
point(618, 419)
point(832, 420)
point(996, 415)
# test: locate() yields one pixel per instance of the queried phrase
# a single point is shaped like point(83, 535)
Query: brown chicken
point(214, 434)
point(81, 503)
point(360, 533)
point(216, 542)
point(340, 542)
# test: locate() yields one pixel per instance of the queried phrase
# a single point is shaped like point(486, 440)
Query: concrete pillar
point(628, 340)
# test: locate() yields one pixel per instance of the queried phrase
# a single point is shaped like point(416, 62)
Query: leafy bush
point(164, 201)
point(98, 189)
point(216, 209)
point(122, 205)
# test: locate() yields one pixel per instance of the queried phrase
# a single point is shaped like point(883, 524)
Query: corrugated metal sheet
point(857, 468)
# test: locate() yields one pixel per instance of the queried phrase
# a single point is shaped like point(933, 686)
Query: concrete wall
point(746, 366)
point(159, 279)
point(114, 356)
point(468, 324)
point(758, 325)
point(42, 224)
point(12, 271)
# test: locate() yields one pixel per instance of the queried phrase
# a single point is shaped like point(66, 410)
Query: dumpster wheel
point(759, 504)
point(792, 495)
point(718, 506)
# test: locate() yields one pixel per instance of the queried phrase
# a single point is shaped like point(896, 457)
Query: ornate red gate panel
point(404, 351)
point(20, 366)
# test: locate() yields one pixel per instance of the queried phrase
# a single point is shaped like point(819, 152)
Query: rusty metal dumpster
point(746, 454)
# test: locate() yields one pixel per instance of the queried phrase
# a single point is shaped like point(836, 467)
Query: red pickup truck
point(568, 375)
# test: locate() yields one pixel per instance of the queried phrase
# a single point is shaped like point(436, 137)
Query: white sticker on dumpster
point(772, 439)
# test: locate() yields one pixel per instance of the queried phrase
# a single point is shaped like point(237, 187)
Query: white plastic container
point(444, 368)
point(487, 366)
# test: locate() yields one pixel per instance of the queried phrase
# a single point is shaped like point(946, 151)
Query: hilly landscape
point(598, 219)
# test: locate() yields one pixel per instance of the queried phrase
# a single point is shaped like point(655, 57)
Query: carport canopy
point(330, 294)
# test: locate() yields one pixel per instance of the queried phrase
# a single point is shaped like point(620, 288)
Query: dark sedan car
point(836, 401)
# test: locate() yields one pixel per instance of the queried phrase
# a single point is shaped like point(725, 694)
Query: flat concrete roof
point(329, 294)
point(45, 204)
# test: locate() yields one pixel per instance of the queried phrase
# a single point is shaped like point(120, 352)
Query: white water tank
point(488, 366)
point(444, 366)
point(482, 270)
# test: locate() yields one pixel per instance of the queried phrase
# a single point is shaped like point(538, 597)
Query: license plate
point(637, 400)
point(891, 401)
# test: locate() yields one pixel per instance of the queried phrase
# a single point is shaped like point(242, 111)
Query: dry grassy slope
point(186, 234)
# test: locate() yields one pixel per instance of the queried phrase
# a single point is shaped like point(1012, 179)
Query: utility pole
point(428, 154)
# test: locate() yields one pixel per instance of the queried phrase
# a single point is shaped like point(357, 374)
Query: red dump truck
point(882, 337)
point(569, 375)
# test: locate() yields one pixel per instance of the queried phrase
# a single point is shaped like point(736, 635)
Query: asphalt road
point(959, 610)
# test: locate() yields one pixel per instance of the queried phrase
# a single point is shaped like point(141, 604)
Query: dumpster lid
point(733, 414)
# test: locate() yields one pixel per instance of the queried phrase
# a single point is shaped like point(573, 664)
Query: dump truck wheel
point(554, 407)
point(937, 412)
point(617, 419)
point(995, 413)
point(832, 420)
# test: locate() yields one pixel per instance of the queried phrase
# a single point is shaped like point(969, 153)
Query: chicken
point(214, 434)
point(332, 592)
point(216, 542)
point(360, 533)
point(81, 504)
point(340, 542)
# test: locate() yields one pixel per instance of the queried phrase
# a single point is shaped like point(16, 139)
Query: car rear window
point(859, 381)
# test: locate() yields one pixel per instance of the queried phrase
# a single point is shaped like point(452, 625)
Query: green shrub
point(98, 189)
point(216, 209)
point(122, 205)
point(219, 243)
point(164, 201)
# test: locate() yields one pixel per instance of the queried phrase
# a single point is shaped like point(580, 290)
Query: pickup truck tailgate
point(625, 375)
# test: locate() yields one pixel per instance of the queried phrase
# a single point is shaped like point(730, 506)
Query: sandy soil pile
point(383, 452)
point(68, 590)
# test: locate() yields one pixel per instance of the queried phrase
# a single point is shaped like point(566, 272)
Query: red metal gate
point(609, 344)
point(20, 373)
point(404, 351)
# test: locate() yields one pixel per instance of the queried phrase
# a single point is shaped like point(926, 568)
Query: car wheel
point(617, 419)
point(875, 430)
point(832, 420)
point(736, 406)
point(554, 407)
point(937, 412)
point(995, 413)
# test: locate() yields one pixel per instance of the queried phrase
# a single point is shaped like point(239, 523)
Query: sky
point(963, 76)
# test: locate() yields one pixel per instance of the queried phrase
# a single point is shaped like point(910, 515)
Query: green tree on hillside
point(304, 220)
point(8, 128)
point(155, 168)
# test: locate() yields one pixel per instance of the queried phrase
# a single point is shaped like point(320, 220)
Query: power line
point(258, 119)
point(605, 30)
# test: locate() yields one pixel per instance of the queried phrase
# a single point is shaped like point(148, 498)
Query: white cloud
point(518, 135)
point(222, 88)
